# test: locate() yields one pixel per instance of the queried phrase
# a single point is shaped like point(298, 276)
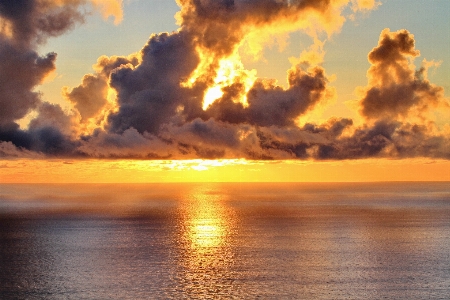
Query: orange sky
point(130, 171)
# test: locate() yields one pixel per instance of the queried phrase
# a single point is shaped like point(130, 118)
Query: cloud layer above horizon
point(187, 94)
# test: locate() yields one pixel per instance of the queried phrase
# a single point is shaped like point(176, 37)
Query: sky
point(229, 90)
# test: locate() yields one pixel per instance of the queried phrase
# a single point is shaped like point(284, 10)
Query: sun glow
point(230, 72)
point(205, 237)
point(211, 95)
point(39, 170)
point(207, 223)
point(226, 74)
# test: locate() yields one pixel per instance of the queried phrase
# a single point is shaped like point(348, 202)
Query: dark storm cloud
point(365, 142)
point(9, 150)
point(51, 115)
point(208, 132)
point(128, 144)
point(385, 138)
point(49, 133)
point(309, 141)
point(47, 140)
point(414, 140)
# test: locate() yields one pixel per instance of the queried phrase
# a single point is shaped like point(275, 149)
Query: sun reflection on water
point(206, 249)
point(206, 235)
point(207, 222)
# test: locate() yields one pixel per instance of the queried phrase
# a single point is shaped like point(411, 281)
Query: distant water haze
point(221, 241)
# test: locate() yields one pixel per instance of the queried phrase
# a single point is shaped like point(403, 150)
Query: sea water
point(225, 241)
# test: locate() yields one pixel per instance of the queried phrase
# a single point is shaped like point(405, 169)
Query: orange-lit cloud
point(110, 8)
point(94, 99)
point(187, 94)
point(395, 87)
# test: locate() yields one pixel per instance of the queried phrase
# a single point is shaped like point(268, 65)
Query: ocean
point(225, 241)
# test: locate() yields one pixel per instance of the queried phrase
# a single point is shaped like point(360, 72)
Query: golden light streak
point(205, 232)
point(206, 228)
point(205, 222)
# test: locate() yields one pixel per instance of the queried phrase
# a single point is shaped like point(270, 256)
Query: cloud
point(128, 144)
point(219, 26)
point(90, 98)
point(220, 29)
point(207, 139)
point(110, 8)
point(269, 104)
point(150, 94)
point(186, 94)
point(31, 21)
point(24, 25)
point(22, 69)
point(395, 88)
point(9, 150)
point(52, 116)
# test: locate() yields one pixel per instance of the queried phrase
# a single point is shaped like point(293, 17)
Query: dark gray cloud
point(150, 94)
point(128, 144)
point(48, 134)
point(32, 21)
point(52, 115)
point(21, 70)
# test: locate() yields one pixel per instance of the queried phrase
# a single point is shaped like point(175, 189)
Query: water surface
point(221, 241)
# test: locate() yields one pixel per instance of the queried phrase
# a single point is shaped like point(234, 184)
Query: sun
point(221, 73)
